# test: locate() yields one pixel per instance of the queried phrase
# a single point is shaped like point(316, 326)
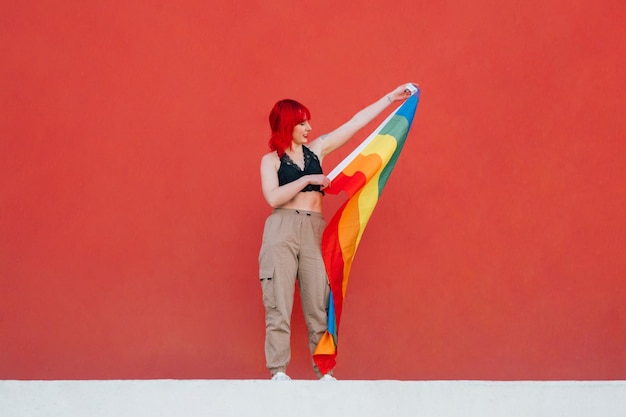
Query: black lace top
point(289, 171)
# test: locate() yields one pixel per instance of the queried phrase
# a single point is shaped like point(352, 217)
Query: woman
point(293, 184)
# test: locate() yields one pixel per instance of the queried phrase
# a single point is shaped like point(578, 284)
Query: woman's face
point(300, 133)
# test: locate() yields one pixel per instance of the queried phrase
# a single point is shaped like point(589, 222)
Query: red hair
point(285, 115)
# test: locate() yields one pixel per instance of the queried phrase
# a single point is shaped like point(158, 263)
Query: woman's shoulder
point(270, 158)
point(317, 146)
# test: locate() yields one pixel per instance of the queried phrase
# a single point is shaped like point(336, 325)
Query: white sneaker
point(328, 377)
point(280, 376)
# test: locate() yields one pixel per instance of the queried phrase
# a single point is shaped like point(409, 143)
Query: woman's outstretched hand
point(401, 92)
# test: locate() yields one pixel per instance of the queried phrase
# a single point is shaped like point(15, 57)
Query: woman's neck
point(296, 148)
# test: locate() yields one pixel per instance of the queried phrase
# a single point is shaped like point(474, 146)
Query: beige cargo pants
point(290, 252)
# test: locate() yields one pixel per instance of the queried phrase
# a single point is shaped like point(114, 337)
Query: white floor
point(247, 398)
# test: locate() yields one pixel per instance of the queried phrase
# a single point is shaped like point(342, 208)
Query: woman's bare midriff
point(308, 201)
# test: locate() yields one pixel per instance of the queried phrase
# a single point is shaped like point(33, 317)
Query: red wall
point(131, 212)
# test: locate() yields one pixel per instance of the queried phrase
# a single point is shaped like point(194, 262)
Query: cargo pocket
point(267, 285)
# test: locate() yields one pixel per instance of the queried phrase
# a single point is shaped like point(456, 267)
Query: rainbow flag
point(362, 175)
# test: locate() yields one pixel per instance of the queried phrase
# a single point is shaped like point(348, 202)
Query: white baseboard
point(250, 398)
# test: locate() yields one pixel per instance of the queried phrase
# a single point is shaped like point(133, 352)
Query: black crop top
point(289, 171)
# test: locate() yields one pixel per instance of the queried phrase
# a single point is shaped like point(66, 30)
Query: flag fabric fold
point(362, 175)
